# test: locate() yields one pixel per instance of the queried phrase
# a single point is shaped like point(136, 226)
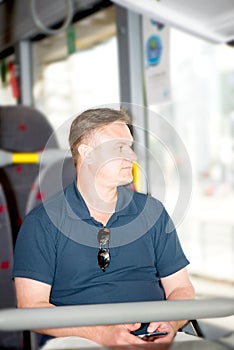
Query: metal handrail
point(100, 314)
point(44, 29)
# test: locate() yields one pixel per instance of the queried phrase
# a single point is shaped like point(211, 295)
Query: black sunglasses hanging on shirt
point(103, 256)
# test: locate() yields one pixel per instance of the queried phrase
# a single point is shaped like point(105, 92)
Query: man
point(99, 241)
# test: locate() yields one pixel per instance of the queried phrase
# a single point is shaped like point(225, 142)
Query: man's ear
point(85, 152)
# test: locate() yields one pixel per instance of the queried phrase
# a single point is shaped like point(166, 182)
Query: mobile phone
point(152, 335)
point(143, 334)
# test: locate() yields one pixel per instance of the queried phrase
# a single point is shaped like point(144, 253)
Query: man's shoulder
point(141, 200)
point(147, 197)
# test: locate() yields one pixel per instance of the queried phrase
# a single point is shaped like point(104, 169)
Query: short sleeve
point(170, 257)
point(35, 250)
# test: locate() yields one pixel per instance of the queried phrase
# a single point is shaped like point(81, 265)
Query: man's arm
point(177, 287)
point(33, 294)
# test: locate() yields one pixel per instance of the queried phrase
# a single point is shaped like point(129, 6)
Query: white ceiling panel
point(212, 20)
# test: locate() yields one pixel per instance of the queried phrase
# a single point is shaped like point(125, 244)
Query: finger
point(133, 326)
point(153, 326)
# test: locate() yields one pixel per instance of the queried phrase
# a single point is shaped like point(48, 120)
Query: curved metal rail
point(46, 30)
point(84, 315)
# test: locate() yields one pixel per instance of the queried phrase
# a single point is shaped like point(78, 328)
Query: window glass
point(201, 111)
point(65, 85)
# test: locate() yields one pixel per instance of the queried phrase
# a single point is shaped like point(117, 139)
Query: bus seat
point(13, 340)
point(51, 179)
point(22, 129)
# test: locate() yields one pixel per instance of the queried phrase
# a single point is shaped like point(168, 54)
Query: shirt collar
point(76, 205)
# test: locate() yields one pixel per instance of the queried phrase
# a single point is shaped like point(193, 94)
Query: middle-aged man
point(98, 241)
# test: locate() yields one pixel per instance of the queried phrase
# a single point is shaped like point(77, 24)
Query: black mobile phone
point(143, 334)
point(152, 335)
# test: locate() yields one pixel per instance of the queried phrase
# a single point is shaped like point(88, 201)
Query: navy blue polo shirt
point(57, 244)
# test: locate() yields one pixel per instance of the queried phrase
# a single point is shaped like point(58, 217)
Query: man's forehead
point(117, 130)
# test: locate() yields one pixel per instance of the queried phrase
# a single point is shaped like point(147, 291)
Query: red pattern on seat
point(3, 208)
point(19, 168)
point(5, 265)
point(23, 127)
point(40, 196)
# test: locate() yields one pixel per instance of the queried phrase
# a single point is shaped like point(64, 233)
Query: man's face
point(112, 156)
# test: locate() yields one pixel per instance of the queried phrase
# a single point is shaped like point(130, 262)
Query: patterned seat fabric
point(7, 291)
point(22, 129)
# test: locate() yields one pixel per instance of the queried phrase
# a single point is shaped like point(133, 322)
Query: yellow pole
point(25, 158)
point(136, 176)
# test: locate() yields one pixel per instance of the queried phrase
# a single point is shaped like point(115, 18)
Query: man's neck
point(99, 199)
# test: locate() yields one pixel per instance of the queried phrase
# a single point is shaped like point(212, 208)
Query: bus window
point(201, 110)
point(67, 84)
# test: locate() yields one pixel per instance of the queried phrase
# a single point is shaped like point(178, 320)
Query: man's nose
point(131, 155)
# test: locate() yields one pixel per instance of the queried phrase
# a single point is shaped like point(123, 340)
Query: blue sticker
point(153, 50)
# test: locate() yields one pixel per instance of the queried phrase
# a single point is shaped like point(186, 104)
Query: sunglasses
point(103, 256)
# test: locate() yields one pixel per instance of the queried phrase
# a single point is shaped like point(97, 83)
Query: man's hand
point(115, 334)
point(161, 327)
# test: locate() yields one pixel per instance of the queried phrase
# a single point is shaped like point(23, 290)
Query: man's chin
point(125, 181)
